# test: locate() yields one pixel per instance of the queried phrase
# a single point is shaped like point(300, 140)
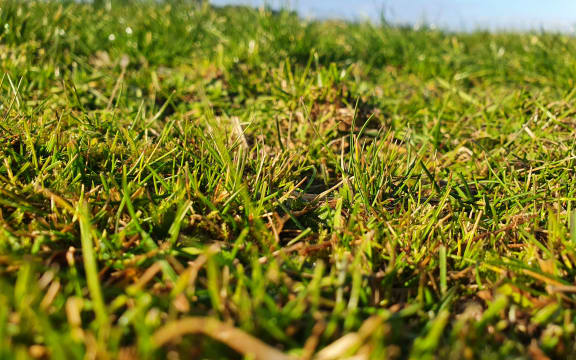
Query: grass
point(188, 182)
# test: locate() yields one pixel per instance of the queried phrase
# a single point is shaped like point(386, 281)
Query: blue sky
point(452, 14)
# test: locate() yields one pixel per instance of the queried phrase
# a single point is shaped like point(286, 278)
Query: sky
point(551, 15)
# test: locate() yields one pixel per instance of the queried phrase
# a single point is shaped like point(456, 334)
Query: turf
point(180, 181)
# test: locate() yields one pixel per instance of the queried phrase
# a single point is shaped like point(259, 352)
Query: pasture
point(183, 181)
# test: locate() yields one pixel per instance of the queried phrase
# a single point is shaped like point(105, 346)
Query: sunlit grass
point(183, 181)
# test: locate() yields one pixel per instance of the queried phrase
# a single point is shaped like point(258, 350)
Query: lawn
point(182, 181)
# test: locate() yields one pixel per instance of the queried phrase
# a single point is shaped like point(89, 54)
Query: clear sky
point(452, 14)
